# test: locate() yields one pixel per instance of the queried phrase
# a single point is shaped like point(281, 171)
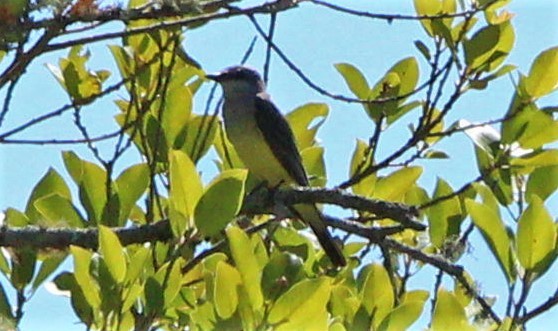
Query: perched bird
point(265, 143)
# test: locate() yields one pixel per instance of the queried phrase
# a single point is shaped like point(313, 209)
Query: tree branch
point(62, 238)
point(262, 200)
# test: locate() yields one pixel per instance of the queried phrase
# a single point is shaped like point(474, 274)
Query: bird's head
point(239, 80)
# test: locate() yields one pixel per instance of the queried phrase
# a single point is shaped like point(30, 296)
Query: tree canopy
point(155, 243)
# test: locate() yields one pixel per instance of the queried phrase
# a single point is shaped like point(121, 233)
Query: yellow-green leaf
point(536, 235)
point(444, 217)
point(394, 186)
point(377, 293)
point(354, 79)
point(113, 253)
point(92, 190)
point(247, 264)
point(51, 183)
point(360, 161)
point(57, 211)
point(227, 281)
point(90, 289)
point(344, 302)
point(300, 120)
point(314, 163)
point(185, 189)
point(199, 136)
point(220, 202)
point(449, 314)
point(543, 76)
point(481, 46)
point(542, 182)
point(494, 233)
point(302, 307)
point(131, 185)
point(432, 8)
point(176, 112)
point(540, 158)
point(402, 317)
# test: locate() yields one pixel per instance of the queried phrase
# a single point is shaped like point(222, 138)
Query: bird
point(265, 143)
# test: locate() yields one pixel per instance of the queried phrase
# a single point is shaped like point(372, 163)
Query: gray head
point(239, 80)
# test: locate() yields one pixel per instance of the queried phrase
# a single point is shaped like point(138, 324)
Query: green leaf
point(433, 8)
point(433, 154)
point(185, 190)
point(176, 113)
point(228, 157)
point(154, 133)
point(423, 49)
point(131, 185)
point(506, 42)
point(227, 281)
point(305, 122)
point(344, 302)
point(123, 56)
point(23, 267)
point(416, 196)
point(220, 202)
point(113, 253)
point(495, 234)
point(154, 297)
point(542, 182)
point(4, 264)
point(531, 128)
point(377, 293)
point(57, 211)
point(303, 306)
point(408, 72)
point(247, 265)
point(361, 160)
point(48, 266)
point(540, 158)
point(402, 317)
point(314, 164)
point(6, 315)
point(15, 218)
point(73, 165)
point(90, 289)
point(92, 191)
point(137, 264)
point(488, 198)
point(171, 281)
point(402, 110)
point(481, 46)
point(282, 266)
point(51, 183)
point(354, 79)
point(394, 186)
point(543, 76)
point(445, 217)
point(449, 314)
point(199, 136)
point(400, 80)
point(415, 295)
point(499, 181)
point(536, 235)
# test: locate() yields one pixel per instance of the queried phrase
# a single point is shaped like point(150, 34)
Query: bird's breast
point(250, 144)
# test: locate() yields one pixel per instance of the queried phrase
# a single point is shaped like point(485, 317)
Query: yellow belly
point(254, 152)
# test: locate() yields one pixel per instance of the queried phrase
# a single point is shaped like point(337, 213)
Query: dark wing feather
point(280, 138)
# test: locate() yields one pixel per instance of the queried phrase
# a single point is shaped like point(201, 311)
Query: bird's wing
point(280, 138)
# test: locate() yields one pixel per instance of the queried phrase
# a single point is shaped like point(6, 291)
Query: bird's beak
point(214, 76)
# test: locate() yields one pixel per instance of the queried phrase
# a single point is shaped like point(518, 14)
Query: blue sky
point(314, 38)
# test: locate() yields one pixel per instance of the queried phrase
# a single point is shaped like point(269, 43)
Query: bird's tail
point(313, 217)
